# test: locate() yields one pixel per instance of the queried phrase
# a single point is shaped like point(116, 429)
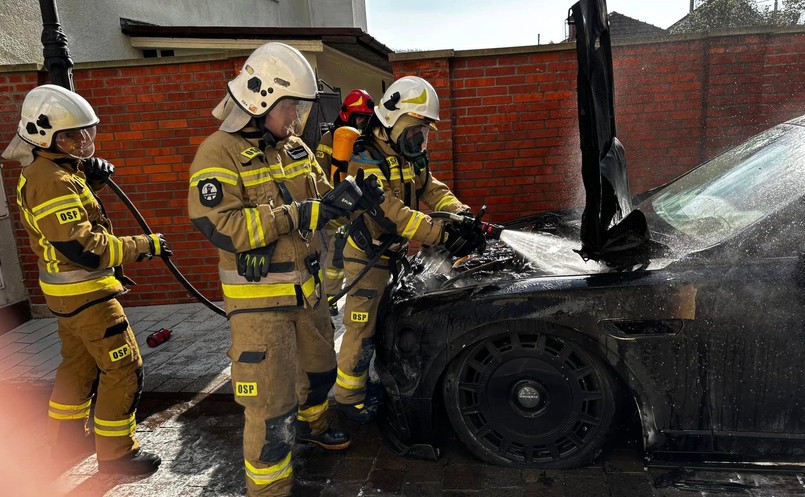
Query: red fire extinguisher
point(158, 337)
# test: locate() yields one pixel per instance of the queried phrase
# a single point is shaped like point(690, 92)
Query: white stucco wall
point(20, 32)
point(93, 26)
point(339, 13)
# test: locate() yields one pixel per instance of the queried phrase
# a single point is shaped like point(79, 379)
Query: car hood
point(550, 251)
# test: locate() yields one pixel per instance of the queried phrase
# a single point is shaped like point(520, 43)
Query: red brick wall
point(508, 135)
point(511, 117)
point(153, 117)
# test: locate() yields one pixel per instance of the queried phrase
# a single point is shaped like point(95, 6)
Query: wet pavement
point(188, 417)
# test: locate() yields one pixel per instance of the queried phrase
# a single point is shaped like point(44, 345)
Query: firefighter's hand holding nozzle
point(466, 233)
point(462, 239)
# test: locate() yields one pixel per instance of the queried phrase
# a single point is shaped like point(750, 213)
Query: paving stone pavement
point(187, 415)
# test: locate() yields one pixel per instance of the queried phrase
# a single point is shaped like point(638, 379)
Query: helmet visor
point(288, 117)
point(78, 143)
point(413, 141)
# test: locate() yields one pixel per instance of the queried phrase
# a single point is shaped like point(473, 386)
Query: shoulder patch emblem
point(297, 153)
point(68, 215)
point(210, 192)
point(252, 152)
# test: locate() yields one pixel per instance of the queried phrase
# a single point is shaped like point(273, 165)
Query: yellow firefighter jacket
point(404, 189)
point(243, 198)
point(324, 153)
point(71, 235)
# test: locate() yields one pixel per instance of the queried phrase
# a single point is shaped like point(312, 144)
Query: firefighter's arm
point(324, 152)
point(219, 211)
point(438, 196)
point(323, 186)
point(58, 213)
point(406, 222)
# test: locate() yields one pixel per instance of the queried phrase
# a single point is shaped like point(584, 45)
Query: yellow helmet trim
point(421, 99)
point(358, 103)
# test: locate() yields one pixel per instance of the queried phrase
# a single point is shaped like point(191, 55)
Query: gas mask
point(413, 145)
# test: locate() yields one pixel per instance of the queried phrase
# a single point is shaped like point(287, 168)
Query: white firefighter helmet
point(46, 111)
point(409, 95)
point(272, 72)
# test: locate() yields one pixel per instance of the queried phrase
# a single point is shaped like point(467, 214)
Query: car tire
point(530, 399)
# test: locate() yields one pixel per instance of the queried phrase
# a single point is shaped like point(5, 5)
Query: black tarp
point(603, 168)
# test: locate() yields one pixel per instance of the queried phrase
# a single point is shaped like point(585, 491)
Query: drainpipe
point(691, 5)
point(58, 63)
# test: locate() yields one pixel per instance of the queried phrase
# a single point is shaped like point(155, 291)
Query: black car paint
point(683, 339)
point(643, 324)
point(709, 346)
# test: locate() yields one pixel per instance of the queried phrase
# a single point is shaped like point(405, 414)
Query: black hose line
point(171, 266)
point(371, 262)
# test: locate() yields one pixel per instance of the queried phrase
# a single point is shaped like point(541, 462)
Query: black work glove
point(314, 214)
point(373, 194)
point(98, 170)
point(254, 264)
point(158, 245)
point(462, 239)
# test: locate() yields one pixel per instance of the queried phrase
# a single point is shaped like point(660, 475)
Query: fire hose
point(488, 229)
point(171, 266)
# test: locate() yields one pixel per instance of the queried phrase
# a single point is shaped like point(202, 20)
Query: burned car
point(695, 324)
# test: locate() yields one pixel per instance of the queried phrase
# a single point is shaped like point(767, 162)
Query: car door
point(757, 343)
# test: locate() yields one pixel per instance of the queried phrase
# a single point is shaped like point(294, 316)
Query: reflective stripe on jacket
point(243, 198)
point(70, 234)
point(404, 189)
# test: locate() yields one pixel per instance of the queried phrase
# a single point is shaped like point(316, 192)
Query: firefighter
point(258, 195)
point(80, 275)
point(394, 147)
point(355, 112)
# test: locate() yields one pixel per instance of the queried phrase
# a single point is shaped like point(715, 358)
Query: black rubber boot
point(359, 413)
point(74, 442)
point(136, 463)
point(330, 439)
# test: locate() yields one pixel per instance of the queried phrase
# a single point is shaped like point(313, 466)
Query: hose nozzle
point(491, 230)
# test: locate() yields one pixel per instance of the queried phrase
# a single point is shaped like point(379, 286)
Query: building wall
point(21, 30)
point(508, 134)
point(98, 36)
point(509, 131)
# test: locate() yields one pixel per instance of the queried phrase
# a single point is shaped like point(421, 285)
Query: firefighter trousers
point(360, 319)
point(332, 261)
point(97, 344)
point(283, 367)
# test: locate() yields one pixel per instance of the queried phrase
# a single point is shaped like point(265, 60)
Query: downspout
point(58, 63)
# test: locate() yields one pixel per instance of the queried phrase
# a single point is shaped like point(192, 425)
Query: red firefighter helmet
point(356, 101)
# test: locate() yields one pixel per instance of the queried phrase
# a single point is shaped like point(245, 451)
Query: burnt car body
point(697, 324)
